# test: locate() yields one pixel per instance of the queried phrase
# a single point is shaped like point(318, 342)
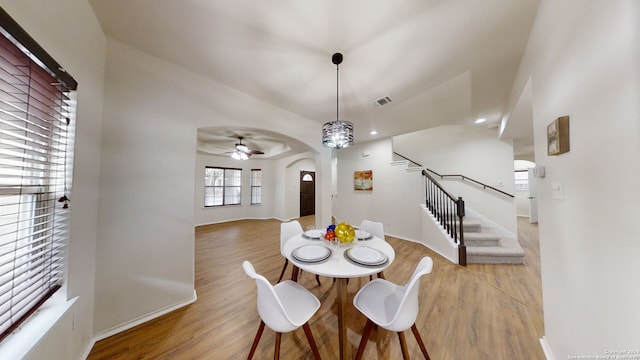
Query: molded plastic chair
point(283, 308)
point(377, 229)
point(287, 230)
point(373, 227)
point(392, 307)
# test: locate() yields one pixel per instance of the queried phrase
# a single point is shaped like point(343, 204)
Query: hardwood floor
point(474, 312)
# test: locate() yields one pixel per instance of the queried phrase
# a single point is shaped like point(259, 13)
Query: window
point(36, 143)
point(222, 186)
point(256, 186)
point(522, 179)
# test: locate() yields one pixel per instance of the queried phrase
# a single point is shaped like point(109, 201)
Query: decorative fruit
point(330, 235)
point(345, 232)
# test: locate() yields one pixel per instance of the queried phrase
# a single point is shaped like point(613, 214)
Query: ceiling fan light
point(243, 148)
point(238, 155)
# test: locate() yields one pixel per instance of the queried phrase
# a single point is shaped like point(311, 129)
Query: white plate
point(363, 235)
point(313, 234)
point(366, 256)
point(311, 253)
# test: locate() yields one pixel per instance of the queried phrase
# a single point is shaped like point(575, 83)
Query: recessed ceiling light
point(480, 121)
point(373, 132)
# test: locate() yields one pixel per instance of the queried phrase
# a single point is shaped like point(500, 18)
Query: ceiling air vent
point(383, 101)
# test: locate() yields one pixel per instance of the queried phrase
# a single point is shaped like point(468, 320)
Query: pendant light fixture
point(337, 134)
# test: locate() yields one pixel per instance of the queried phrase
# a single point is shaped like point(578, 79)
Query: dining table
point(367, 255)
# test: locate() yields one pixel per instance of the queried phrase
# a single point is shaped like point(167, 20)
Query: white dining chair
point(283, 307)
point(376, 229)
point(288, 230)
point(373, 227)
point(392, 307)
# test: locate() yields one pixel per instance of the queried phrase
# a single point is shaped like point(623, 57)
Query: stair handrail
point(448, 211)
point(463, 177)
point(406, 158)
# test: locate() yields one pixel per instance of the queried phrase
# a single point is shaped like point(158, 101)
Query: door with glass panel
point(307, 193)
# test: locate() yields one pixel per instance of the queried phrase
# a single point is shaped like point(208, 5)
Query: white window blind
point(256, 186)
point(222, 186)
point(36, 142)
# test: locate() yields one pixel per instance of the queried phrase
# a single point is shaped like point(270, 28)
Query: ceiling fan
point(242, 151)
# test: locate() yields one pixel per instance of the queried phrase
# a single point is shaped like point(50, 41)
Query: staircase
point(485, 247)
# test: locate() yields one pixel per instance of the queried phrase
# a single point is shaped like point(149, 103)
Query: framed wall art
point(558, 136)
point(363, 180)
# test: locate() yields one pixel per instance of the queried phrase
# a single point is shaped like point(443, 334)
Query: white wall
point(475, 152)
point(584, 62)
point(280, 188)
point(69, 32)
point(287, 186)
point(211, 215)
point(147, 201)
point(292, 181)
point(522, 202)
point(396, 196)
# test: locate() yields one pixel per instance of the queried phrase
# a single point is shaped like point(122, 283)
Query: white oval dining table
point(339, 267)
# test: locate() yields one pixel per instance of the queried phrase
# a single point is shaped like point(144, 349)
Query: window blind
point(222, 186)
point(36, 142)
point(256, 186)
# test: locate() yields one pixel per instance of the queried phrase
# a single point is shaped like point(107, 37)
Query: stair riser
point(482, 259)
point(479, 242)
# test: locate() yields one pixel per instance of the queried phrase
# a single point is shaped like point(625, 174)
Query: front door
point(307, 193)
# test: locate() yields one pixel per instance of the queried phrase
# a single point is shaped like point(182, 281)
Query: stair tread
point(507, 248)
point(485, 246)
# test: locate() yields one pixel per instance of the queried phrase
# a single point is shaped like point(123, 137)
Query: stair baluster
point(448, 210)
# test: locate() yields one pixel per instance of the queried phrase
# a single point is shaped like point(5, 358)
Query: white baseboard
point(238, 219)
point(546, 349)
point(141, 320)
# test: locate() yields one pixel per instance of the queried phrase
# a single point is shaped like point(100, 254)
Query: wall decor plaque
point(558, 136)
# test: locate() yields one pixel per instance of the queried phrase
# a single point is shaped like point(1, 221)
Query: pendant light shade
point(337, 134)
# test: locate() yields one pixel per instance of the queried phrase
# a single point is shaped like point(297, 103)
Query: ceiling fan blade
point(245, 148)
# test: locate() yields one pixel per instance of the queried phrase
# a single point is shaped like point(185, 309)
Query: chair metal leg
point(276, 352)
point(365, 337)
point(380, 276)
point(312, 342)
point(295, 273)
point(414, 329)
point(256, 340)
point(286, 262)
point(403, 345)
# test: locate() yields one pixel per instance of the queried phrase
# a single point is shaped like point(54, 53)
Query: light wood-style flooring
point(491, 312)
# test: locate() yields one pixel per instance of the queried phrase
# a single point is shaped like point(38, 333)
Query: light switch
point(558, 190)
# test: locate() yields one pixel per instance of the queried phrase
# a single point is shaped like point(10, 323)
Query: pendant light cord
point(337, 92)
